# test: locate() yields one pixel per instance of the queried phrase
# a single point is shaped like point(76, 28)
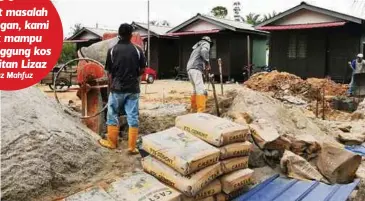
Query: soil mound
point(42, 148)
point(282, 82)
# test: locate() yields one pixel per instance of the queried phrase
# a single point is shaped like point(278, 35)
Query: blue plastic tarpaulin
point(282, 189)
point(357, 149)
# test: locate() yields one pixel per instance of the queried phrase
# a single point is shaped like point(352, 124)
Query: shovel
point(211, 79)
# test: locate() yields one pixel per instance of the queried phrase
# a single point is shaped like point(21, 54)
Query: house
point(236, 43)
point(164, 49)
point(312, 41)
point(88, 36)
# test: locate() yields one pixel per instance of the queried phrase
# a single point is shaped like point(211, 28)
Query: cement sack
point(212, 189)
point(207, 199)
point(141, 186)
point(99, 50)
point(233, 164)
point(214, 130)
point(338, 165)
point(267, 137)
point(189, 185)
point(227, 197)
point(90, 194)
point(236, 180)
point(298, 168)
point(236, 150)
point(180, 150)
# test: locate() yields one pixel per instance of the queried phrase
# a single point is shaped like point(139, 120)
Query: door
point(341, 48)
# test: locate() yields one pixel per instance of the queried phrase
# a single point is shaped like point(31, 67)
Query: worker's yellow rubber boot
point(193, 106)
point(132, 140)
point(112, 139)
point(201, 103)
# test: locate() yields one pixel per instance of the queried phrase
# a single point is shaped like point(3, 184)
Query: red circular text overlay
point(31, 38)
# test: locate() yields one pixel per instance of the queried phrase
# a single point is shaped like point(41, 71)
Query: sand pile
point(43, 149)
point(290, 121)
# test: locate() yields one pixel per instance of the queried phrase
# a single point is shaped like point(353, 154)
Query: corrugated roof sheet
point(281, 189)
point(302, 26)
point(232, 23)
point(160, 30)
point(100, 32)
point(357, 149)
point(193, 32)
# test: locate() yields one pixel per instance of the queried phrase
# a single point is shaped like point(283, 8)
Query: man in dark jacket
point(125, 64)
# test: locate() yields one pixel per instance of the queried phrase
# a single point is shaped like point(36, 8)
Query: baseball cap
point(360, 55)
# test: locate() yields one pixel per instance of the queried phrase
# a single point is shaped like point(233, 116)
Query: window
point(213, 50)
point(302, 47)
point(292, 51)
point(297, 47)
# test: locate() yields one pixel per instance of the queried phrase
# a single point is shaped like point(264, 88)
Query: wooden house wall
point(168, 55)
point(328, 51)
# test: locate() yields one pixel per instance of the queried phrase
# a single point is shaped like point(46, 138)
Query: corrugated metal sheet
point(233, 23)
point(281, 189)
point(302, 26)
point(357, 149)
point(193, 32)
point(159, 30)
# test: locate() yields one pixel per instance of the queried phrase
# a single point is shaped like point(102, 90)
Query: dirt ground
point(161, 91)
point(160, 103)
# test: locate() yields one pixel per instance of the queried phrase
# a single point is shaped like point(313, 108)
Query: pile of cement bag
point(204, 157)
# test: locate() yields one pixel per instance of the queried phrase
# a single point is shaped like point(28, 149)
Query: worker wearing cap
point(125, 64)
point(357, 66)
point(197, 64)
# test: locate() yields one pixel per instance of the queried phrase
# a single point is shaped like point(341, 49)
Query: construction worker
point(357, 66)
point(197, 64)
point(125, 64)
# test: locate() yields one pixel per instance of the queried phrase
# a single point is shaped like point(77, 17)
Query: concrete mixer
point(92, 80)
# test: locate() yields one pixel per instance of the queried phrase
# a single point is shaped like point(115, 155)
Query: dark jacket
point(125, 64)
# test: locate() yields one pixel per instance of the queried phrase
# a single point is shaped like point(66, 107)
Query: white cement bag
point(236, 150)
point(214, 130)
point(207, 199)
point(233, 164)
point(212, 189)
point(236, 180)
point(189, 185)
point(141, 186)
point(180, 150)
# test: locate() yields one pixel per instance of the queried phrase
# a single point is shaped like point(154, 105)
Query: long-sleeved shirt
point(358, 67)
point(125, 63)
point(199, 56)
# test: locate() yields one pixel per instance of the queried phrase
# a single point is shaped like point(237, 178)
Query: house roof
point(224, 23)
point(155, 30)
point(96, 31)
point(302, 26)
point(307, 6)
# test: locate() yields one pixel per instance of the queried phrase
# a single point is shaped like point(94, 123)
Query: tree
point(237, 11)
point(252, 18)
point(165, 23)
point(68, 53)
point(154, 22)
point(76, 28)
point(219, 11)
point(160, 23)
point(269, 16)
